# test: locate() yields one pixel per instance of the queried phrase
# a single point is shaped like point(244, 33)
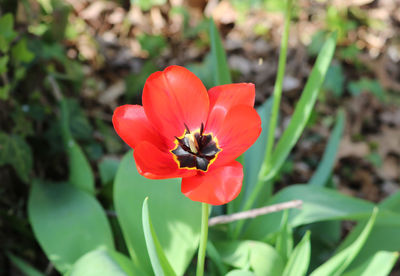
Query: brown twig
point(255, 212)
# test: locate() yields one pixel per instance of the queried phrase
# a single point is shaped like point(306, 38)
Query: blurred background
point(98, 54)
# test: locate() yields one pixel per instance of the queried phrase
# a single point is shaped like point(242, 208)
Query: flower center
point(195, 150)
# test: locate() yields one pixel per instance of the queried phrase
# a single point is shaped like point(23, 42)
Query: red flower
point(184, 131)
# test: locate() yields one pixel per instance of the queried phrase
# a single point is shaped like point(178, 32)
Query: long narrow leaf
point(299, 260)
point(325, 167)
point(303, 109)
point(23, 266)
point(220, 64)
point(338, 263)
point(284, 241)
point(158, 260)
point(379, 264)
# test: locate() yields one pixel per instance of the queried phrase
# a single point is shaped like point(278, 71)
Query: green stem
point(273, 119)
point(278, 88)
point(203, 240)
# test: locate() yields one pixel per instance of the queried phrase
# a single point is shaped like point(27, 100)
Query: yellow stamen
point(192, 142)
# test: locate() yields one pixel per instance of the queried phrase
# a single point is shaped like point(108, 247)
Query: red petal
point(217, 186)
point(132, 125)
point(224, 97)
point(240, 129)
point(156, 164)
point(173, 98)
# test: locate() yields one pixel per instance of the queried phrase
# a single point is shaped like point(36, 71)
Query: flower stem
point(203, 240)
point(273, 119)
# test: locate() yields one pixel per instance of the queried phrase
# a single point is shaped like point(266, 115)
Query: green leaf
point(203, 70)
point(134, 83)
point(299, 260)
point(21, 53)
point(254, 156)
point(108, 167)
point(80, 172)
point(67, 222)
point(334, 80)
point(339, 262)
point(111, 141)
point(17, 153)
point(284, 241)
point(104, 262)
point(238, 272)
point(383, 236)
point(220, 65)
point(303, 108)
point(260, 257)
point(319, 204)
point(253, 159)
point(152, 44)
point(23, 266)
point(146, 5)
point(7, 33)
point(213, 254)
point(5, 92)
point(3, 64)
point(379, 264)
point(365, 84)
point(169, 207)
point(325, 167)
point(158, 260)
point(80, 127)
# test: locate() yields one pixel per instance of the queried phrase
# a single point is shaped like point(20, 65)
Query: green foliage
point(339, 262)
point(7, 34)
point(337, 20)
point(219, 62)
point(299, 260)
point(152, 44)
point(146, 5)
point(24, 267)
point(108, 169)
point(169, 207)
point(284, 240)
point(80, 172)
point(334, 80)
point(325, 167)
point(105, 262)
point(16, 152)
point(134, 83)
point(303, 108)
point(67, 222)
point(379, 264)
point(319, 204)
point(158, 260)
point(365, 84)
point(260, 257)
point(20, 52)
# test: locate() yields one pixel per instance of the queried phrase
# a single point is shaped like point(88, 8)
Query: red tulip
point(184, 131)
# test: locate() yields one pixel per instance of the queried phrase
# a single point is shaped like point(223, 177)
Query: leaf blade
point(158, 260)
point(321, 175)
point(299, 260)
point(303, 108)
point(220, 64)
point(339, 262)
point(67, 222)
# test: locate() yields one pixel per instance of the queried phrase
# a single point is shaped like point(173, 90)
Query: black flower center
point(195, 150)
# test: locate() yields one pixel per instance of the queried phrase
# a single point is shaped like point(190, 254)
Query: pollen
point(193, 144)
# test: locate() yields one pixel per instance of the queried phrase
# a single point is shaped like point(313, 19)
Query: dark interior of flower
point(196, 149)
